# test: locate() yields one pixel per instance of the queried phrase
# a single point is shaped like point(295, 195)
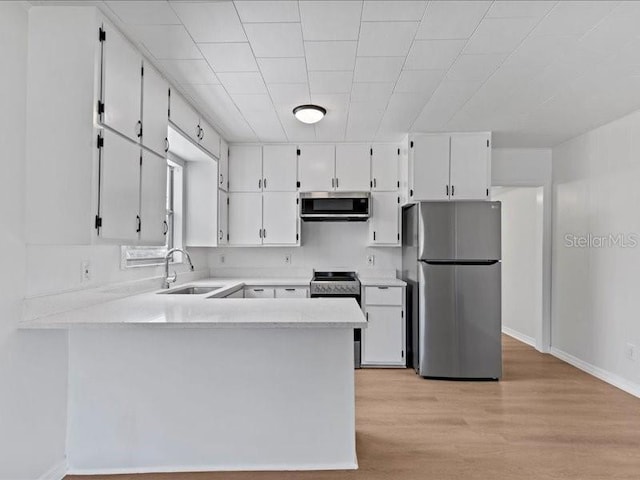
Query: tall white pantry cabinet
point(97, 172)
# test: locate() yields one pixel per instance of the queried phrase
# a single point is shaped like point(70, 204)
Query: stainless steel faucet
point(168, 280)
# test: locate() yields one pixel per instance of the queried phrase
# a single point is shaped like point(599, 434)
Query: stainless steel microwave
point(335, 206)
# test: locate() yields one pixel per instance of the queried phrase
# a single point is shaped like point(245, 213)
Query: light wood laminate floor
point(545, 420)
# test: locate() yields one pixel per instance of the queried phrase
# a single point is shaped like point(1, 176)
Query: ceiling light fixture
point(309, 113)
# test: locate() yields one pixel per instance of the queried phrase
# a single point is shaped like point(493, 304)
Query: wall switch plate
point(371, 260)
point(287, 259)
point(85, 274)
point(632, 352)
point(222, 259)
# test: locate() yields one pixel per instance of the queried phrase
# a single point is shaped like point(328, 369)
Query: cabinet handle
point(139, 128)
point(333, 183)
point(447, 188)
point(221, 236)
point(260, 233)
point(221, 179)
point(367, 316)
point(258, 289)
point(166, 145)
point(198, 130)
point(166, 228)
point(202, 134)
point(374, 236)
point(453, 190)
point(383, 288)
point(290, 289)
point(139, 223)
point(264, 183)
point(259, 184)
point(264, 233)
point(374, 183)
point(337, 182)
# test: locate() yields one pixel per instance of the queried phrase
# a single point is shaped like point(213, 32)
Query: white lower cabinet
point(384, 339)
point(259, 292)
point(292, 292)
point(384, 224)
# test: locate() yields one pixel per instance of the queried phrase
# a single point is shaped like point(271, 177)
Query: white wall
point(325, 245)
point(522, 227)
point(33, 365)
point(596, 299)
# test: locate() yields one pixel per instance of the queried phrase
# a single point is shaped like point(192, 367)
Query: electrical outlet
point(222, 259)
point(632, 352)
point(371, 260)
point(85, 274)
point(287, 259)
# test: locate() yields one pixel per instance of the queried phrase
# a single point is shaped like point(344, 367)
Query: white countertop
point(199, 311)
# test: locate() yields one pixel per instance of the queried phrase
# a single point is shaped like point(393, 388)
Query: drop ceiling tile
point(296, 130)
point(190, 71)
point(334, 102)
point(377, 93)
point(229, 57)
point(252, 102)
point(362, 122)
point(332, 127)
point(377, 69)
point(167, 41)
point(538, 52)
point(144, 13)
point(402, 110)
point(451, 20)
point(243, 82)
point(500, 35)
point(289, 94)
point(267, 126)
point(283, 70)
point(573, 18)
point(386, 39)
point(477, 67)
point(262, 11)
point(330, 55)
point(450, 96)
point(330, 20)
point(275, 39)
point(415, 81)
point(330, 82)
point(433, 54)
point(210, 22)
point(400, 10)
point(522, 8)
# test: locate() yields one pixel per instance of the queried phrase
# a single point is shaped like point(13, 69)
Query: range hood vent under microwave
point(334, 206)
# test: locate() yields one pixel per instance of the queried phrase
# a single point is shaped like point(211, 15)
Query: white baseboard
point(623, 384)
point(57, 472)
point(519, 336)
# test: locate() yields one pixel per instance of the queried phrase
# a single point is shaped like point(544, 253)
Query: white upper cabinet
point(153, 199)
point(121, 84)
point(223, 166)
point(155, 110)
point(384, 168)
point(470, 166)
point(201, 195)
point(279, 168)
point(429, 167)
point(316, 168)
point(353, 167)
point(384, 224)
point(245, 219)
point(245, 168)
point(183, 116)
point(119, 189)
point(223, 218)
point(209, 139)
point(280, 218)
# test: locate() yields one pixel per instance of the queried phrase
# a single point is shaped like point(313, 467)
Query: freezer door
point(459, 231)
point(460, 321)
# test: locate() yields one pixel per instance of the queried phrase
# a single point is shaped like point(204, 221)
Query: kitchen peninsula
point(169, 382)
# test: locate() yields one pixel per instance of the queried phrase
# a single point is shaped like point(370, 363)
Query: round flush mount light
point(309, 113)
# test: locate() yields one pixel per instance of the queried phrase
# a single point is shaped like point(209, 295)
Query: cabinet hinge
point(398, 183)
point(169, 107)
point(227, 200)
point(487, 192)
point(298, 183)
point(98, 222)
point(402, 314)
point(371, 183)
point(411, 144)
point(298, 152)
point(398, 200)
point(371, 151)
point(142, 70)
point(411, 192)
point(100, 107)
point(227, 237)
point(402, 353)
point(398, 151)
point(100, 141)
point(487, 143)
point(297, 237)
point(297, 201)
point(374, 235)
point(398, 237)
point(102, 34)
point(140, 158)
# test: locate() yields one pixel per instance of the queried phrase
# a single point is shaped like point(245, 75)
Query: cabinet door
point(223, 166)
point(153, 199)
point(280, 218)
point(279, 168)
point(470, 159)
point(201, 195)
point(119, 188)
point(384, 168)
point(223, 218)
point(353, 168)
point(155, 110)
point(121, 85)
point(429, 159)
point(245, 168)
point(209, 139)
point(183, 116)
point(316, 168)
point(383, 339)
point(384, 224)
point(245, 219)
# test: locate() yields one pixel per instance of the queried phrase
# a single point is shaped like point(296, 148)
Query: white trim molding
point(519, 336)
point(57, 472)
point(617, 381)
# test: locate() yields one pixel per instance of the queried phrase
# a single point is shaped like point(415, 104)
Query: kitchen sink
point(191, 291)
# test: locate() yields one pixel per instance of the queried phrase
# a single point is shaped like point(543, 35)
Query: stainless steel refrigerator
point(451, 263)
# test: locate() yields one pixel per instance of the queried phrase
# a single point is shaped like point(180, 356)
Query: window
point(144, 256)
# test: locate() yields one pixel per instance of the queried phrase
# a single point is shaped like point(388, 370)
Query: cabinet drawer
point(299, 292)
point(383, 295)
point(259, 292)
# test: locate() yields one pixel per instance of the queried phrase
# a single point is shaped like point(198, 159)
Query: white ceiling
point(534, 72)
